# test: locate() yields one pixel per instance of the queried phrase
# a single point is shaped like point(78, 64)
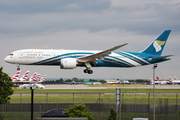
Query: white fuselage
point(53, 57)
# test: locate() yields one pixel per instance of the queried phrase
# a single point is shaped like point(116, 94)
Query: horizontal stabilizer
point(162, 57)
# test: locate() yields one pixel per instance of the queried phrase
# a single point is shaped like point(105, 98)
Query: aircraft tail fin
point(158, 78)
point(25, 76)
point(175, 78)
point(151, 80)
point(42, 79)
point(16, 76)
point(170, 78)
point(157, 46)
point(32, 77)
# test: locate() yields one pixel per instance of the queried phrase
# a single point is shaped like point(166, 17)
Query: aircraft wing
point(100, 55)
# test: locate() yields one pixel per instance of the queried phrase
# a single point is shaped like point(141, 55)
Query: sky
point(90, 25)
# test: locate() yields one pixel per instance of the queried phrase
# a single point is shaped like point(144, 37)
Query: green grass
point(107, 99)
point(123, 90)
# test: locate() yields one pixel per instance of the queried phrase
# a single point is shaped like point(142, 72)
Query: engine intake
point(68, 63)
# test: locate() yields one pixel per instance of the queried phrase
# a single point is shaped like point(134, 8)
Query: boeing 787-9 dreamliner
point(70, 59)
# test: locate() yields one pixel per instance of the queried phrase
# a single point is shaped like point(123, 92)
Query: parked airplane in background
point(32, 78)
point(161, 82)
point(156, 82)
point(175, 78)
point(85, 82)
point(37, 77)
point(125, 82)
point(176, 81)
point(70, 59)
point(25, 76)
point(16, 78)
point(42, 79)
point(112, 82)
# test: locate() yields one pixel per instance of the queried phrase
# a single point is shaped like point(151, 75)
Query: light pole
point(32, 99)
point(154, 67)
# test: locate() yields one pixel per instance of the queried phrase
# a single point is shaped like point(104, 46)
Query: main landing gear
point(88, 70)
point(18, 67)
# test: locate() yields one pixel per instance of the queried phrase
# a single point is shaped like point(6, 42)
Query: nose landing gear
point(18, 67)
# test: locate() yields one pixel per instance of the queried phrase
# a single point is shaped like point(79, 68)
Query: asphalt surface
point(82, 86)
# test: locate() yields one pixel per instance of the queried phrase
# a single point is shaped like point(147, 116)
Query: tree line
point(62, 81)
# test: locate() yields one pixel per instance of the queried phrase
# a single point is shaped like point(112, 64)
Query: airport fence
point(132, 105)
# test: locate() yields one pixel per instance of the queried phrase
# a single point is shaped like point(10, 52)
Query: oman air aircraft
point(70, 59)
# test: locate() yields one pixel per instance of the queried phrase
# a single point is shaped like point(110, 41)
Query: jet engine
point(68, 63)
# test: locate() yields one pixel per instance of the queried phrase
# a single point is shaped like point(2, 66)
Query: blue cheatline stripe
point(119, 61)
point(135, 59)
point(115, 62)
point(59, 57)
point(112, 59)
point(141, 59)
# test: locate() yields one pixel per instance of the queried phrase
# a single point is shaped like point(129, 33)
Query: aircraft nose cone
point(6, 59)
point(9, 59)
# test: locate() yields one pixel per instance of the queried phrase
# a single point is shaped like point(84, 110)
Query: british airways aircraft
point(70, 59)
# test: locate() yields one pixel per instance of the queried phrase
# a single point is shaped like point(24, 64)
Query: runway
point(82, 86)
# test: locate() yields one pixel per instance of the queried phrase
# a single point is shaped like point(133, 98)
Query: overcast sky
point(90, 25)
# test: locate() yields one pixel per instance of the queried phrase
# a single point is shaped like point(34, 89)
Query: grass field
point(54, 97)
point(107, 99)
point(123, 90)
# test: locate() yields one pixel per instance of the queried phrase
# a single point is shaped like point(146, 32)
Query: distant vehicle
point(34, 86)
point(85, 82)
point(54, 113)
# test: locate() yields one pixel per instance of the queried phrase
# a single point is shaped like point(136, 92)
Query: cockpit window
point(11, 54)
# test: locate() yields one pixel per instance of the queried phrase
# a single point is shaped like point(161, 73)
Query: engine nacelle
point(68, 63)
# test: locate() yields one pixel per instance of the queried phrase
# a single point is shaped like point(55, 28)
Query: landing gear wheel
point(90, 71)
point(18, 67)
point(86, 71)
